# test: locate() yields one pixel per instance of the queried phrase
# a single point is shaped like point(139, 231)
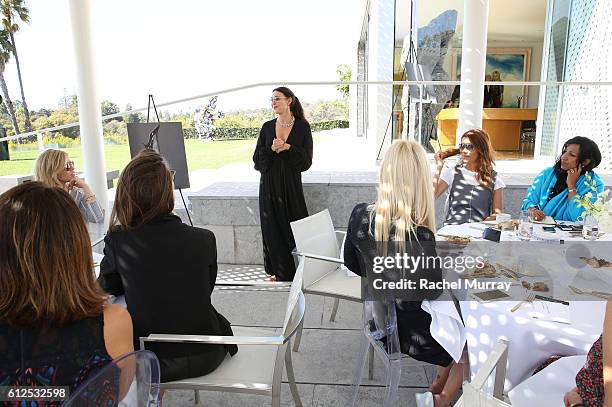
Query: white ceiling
point(509, 21)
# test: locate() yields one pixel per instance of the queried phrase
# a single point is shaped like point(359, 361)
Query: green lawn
point(211, 154)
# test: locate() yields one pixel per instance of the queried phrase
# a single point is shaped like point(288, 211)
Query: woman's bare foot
point(271, 278)
point(441, 377)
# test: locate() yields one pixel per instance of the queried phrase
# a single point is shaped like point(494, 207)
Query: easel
point(153, 138)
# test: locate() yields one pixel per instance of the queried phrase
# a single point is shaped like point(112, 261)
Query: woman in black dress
point(284, 150)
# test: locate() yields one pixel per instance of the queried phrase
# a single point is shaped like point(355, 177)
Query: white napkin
point(446, 326)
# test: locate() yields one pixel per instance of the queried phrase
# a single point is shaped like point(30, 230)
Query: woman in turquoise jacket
point(557, 190)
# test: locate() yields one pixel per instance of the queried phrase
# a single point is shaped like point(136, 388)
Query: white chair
point(316, 238)
point(473, 393)
point(257, 368)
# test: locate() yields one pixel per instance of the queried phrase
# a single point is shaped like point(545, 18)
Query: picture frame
point(513, 64)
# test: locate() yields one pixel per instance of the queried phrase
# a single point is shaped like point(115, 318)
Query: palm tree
point(5, 54)
point(10, 10)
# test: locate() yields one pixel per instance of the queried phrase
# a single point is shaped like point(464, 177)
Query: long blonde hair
point(48, 167)
point(405, 194)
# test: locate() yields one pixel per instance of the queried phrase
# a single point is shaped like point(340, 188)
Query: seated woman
point(55, 328)
point(54, 168)
point(402, 217)
point(556, 191)
point(166, 269)
point(594, 380)
point(476, 190)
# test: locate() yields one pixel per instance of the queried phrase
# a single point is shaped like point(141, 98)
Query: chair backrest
point(473, 392)
point(315, 234)
point(380, 326)
point(132, 379)
point(296, 304)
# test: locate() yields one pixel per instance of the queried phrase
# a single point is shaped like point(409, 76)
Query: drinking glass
point(590, 228)
point(524, 230)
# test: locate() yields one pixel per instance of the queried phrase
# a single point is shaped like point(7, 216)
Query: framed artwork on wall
point(503, 64)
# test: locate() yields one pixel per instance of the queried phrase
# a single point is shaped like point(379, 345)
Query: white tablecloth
point(531, 341)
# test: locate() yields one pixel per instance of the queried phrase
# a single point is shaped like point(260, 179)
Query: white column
point(380, 68)
point(90, 115)
point(473, 64)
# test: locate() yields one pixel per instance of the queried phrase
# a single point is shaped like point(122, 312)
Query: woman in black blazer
point(166, 269)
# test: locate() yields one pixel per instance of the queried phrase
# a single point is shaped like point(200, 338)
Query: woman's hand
point(536, 213)
point(572, 177)
point(277, 144)
point(439, 158)
point(572, 398)
point(78, 182)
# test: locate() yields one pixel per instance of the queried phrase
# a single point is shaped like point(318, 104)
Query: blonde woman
point(54, 168)
point(402, 222)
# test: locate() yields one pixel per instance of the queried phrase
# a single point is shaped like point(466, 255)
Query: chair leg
point(298, 336)
point(196, 394)
point(332, 318)
point(291, 379)
point(365, 346)
point(370, 361)
point(394, 374)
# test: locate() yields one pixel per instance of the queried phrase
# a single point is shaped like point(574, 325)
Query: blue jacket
point(558, 207)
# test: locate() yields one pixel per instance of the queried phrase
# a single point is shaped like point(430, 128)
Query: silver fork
point(593, 293)
point(530, 297)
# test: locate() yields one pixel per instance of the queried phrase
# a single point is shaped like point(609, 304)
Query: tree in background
point(12, 10)
point(205, 118)
point(5, 55)
point(136, 117)
point(109, 107)
point(344, 75)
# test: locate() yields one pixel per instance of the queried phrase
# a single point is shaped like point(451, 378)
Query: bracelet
point(577, 405)
point(572, 190)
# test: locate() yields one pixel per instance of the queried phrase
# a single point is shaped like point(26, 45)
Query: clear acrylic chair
point(380, 332)
point(131, 380)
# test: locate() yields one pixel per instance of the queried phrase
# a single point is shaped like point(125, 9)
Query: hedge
point(225, 133)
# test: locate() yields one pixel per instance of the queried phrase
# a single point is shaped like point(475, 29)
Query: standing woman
point(283, 151)
point(55, 169)
point(476, 190)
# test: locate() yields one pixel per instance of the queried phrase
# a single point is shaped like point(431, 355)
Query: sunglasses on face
point(468, 147)
point(276, 98)
point(69, 165)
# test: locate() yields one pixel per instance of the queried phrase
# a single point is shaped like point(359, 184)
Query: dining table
point(564, 320)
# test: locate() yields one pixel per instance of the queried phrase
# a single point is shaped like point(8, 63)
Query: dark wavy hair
point(486, 156)
point(296, 107)
point(588, 150)
point(46, 267)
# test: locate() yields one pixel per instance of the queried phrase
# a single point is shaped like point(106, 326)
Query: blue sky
point(193, 47)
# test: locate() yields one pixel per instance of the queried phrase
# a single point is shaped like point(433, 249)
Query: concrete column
point(473, 64)
point(90, 115)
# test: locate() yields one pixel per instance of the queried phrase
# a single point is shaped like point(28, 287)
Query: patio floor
point(328, 352)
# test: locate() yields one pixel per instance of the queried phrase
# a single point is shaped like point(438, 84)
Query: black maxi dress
point(281, 197)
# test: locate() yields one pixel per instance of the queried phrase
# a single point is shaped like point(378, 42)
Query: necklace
point(286, 124)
